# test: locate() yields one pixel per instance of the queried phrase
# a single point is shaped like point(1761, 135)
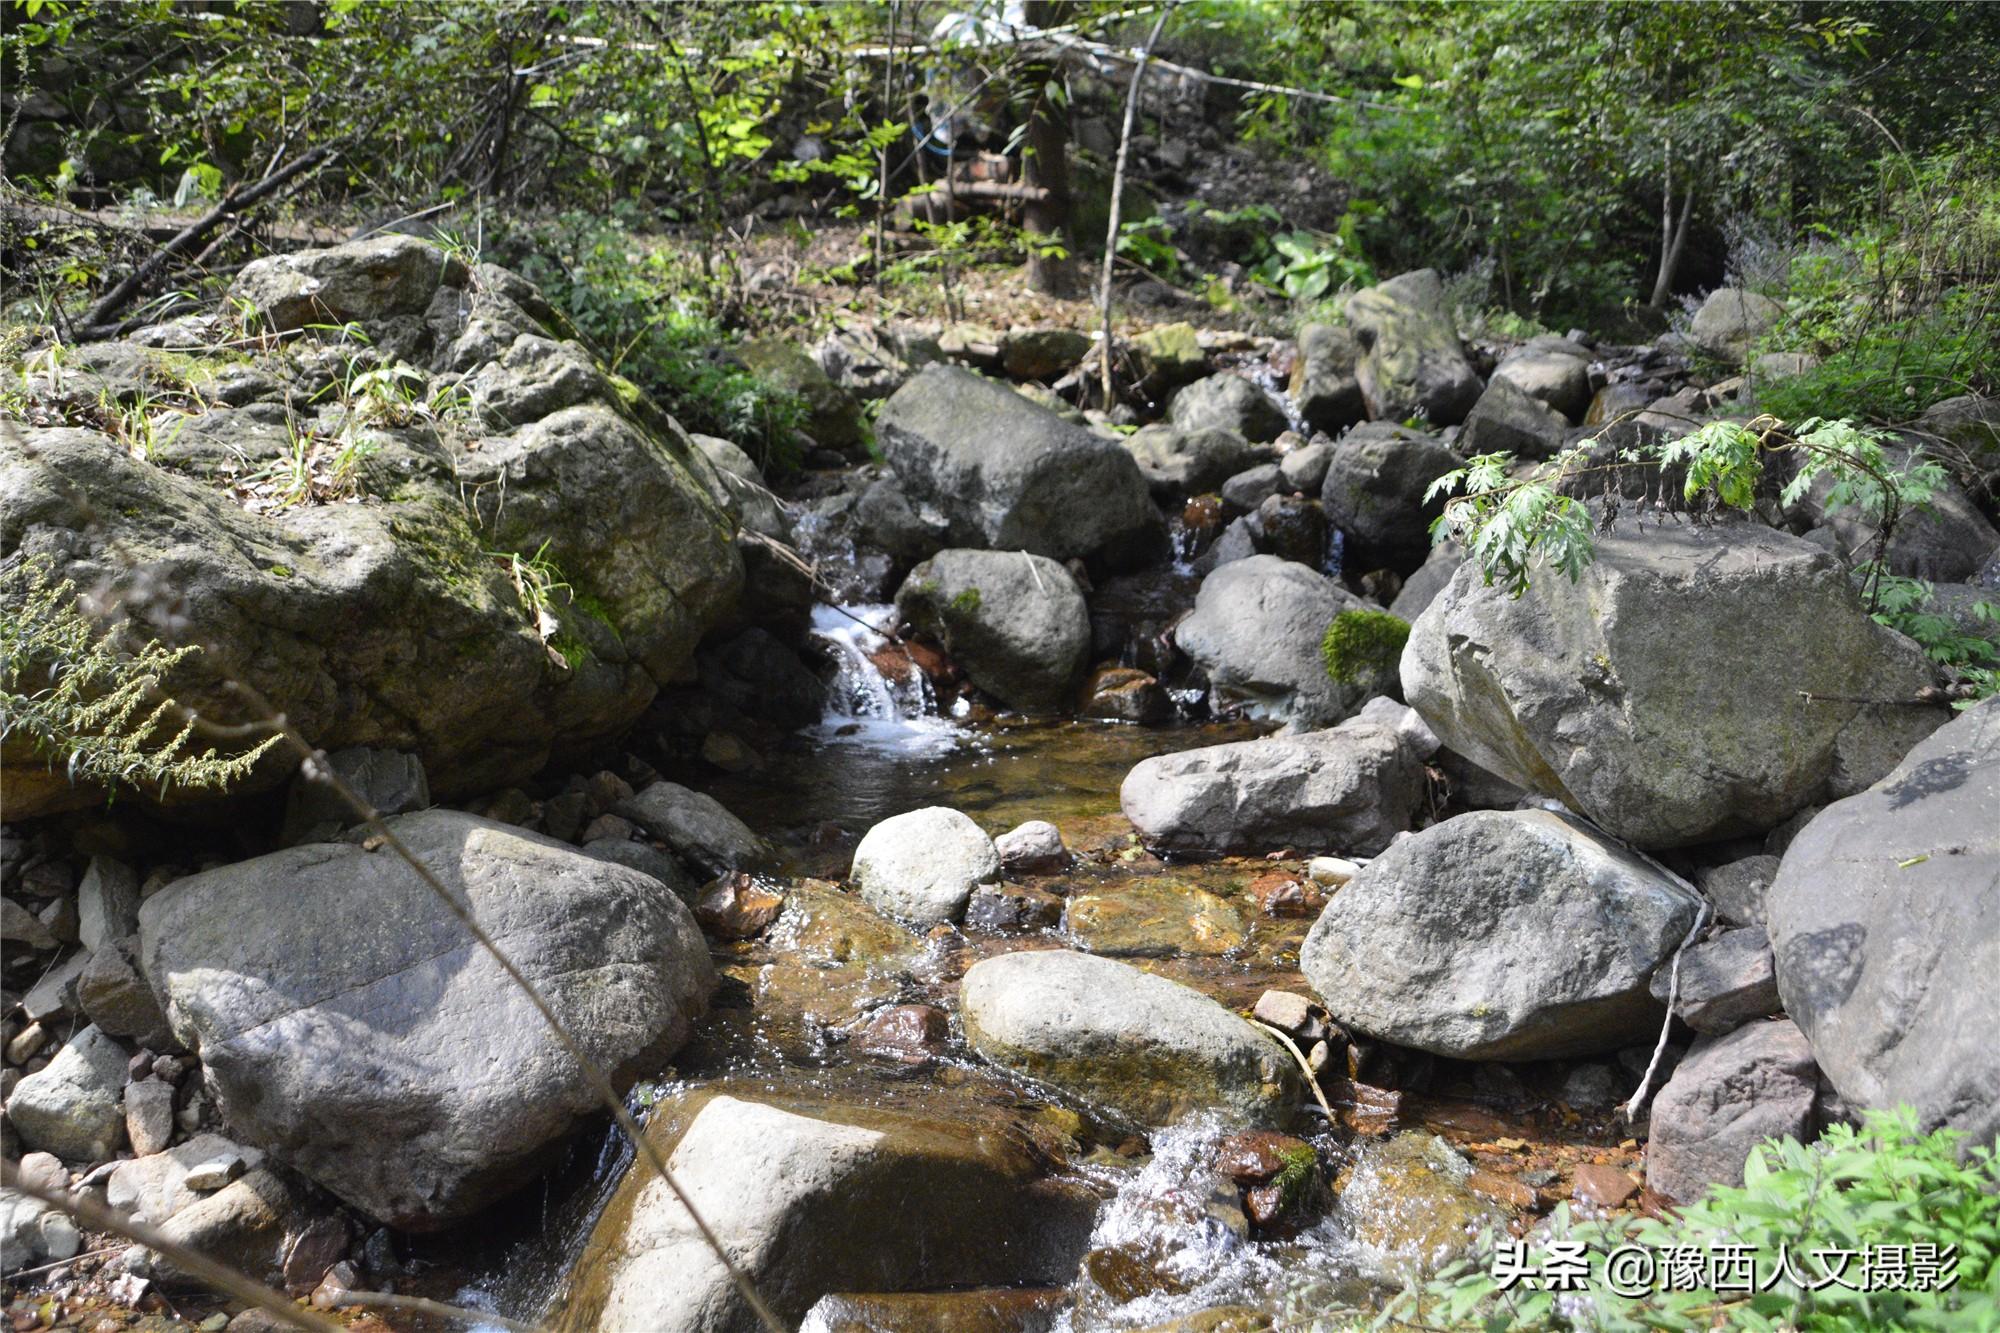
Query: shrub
point(1886, 1187)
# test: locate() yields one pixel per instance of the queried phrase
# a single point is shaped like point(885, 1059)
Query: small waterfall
point(877, 696)
point(1258, 371)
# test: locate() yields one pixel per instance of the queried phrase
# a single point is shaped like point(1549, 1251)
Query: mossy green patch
point(967, 602)
point(1363, 645)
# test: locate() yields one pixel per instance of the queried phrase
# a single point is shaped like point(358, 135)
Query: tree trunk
point(1046, 163)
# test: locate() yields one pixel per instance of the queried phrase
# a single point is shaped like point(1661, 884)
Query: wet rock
point(834, 957)
point(697, 827)
point(1126, 694)
point(74, 1107)
point(1737, 888)
point(434, 1085)
point(1256, 629)
point(1729, 1094)
point(922, 866)
point(1137, 1045)
point(1886, 924)
point(1408, 1204)
point(1411, 362)
point(882, 1194)
point(1155, 918)
point(1324, 383)
point(1641, 695)
point(1724, 982)
point(1291, 528)
point(1730, 320)
point(1015, 622)
point(912, 1033)
point(1602, 1186)
point(1177, 461)
point(1508, 420)
point(1010, 475)
point(1375, 492)
point(889, 522)
point(737, 907)
point(991, 1310)
point(1286, 895)
point(1033, 848)
point(1228, 402)
point(1002, 909)
point(1442, 942)
point(1351, 788)
point(389, 781)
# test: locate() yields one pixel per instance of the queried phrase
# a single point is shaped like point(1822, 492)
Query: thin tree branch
point(1118, 199)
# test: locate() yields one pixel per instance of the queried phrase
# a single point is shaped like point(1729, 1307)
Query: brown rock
point(1008, 908)
point(737, 907)
point(1602, 1186)
point(1254, 1156)
point(912, 1033)
point(1278, 893)
point(312, 1251)
point(1126, 694)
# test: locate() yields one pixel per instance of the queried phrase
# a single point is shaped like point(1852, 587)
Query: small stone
point(214, 1173)
point(55, 994)
point(1319, 1057)
point(1331, 870)
point(563, 816)
point(19, 926)
point(1279, 894)
point(26, 1043)
point(912, 1033)
point(44, 1171)
point(107, 902)
point(194, 1113)
point(339, 1280)
point(608, 826)
point(215, 1323)
point(512, 806)
point(1284, 1009)
point(149, 1116)
point(737, 907)
point(1033, 848)
point(1591, 1087)
point(129, 1289)
point(313, 1251)
point(730, 753)
point(1253, 1156)
point(1602, 1186)
point(1008, 908)
point(606, 789)
point(59, 918)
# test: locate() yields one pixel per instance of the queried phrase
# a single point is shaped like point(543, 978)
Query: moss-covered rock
point(1364, 648)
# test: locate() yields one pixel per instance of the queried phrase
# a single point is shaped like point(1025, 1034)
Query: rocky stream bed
point(1058, 871)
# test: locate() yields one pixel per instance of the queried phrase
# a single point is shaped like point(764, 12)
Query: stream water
point(780, 1023)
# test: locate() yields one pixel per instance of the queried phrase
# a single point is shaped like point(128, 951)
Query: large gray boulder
point(1324, 383)
point(1374, 492)
point(1552, 372)
point(1507, 420)
point(346, 616)
point(1516, 935)
point(1181, 461)
point(1142, 1047)
point(1011, 475)
point(1885, 919)
point(922, 866)
point(811, 1198)
point(1228, 402)
point(1948, 540)
point(1727, 1095)
point(1016, 623)
point(1256, 629)
point(1731, 320)
point(1662, 694)
point(1411, 361)
point(1347, 789)
point(348, 1024)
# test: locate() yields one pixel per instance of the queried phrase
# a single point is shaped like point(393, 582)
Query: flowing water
point(1168, 1240)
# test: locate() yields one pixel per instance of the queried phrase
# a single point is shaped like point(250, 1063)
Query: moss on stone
point(1361, 645)
point(967, 602)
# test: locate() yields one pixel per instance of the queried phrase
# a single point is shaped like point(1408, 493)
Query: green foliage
point(1883, 1186)
point(539, 583)
point(644, 310)
point(1910, 607)
point(1149, 243)
point(1512, 523)
point(81, 702)
point(1305, 267)
point(1360, 646)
